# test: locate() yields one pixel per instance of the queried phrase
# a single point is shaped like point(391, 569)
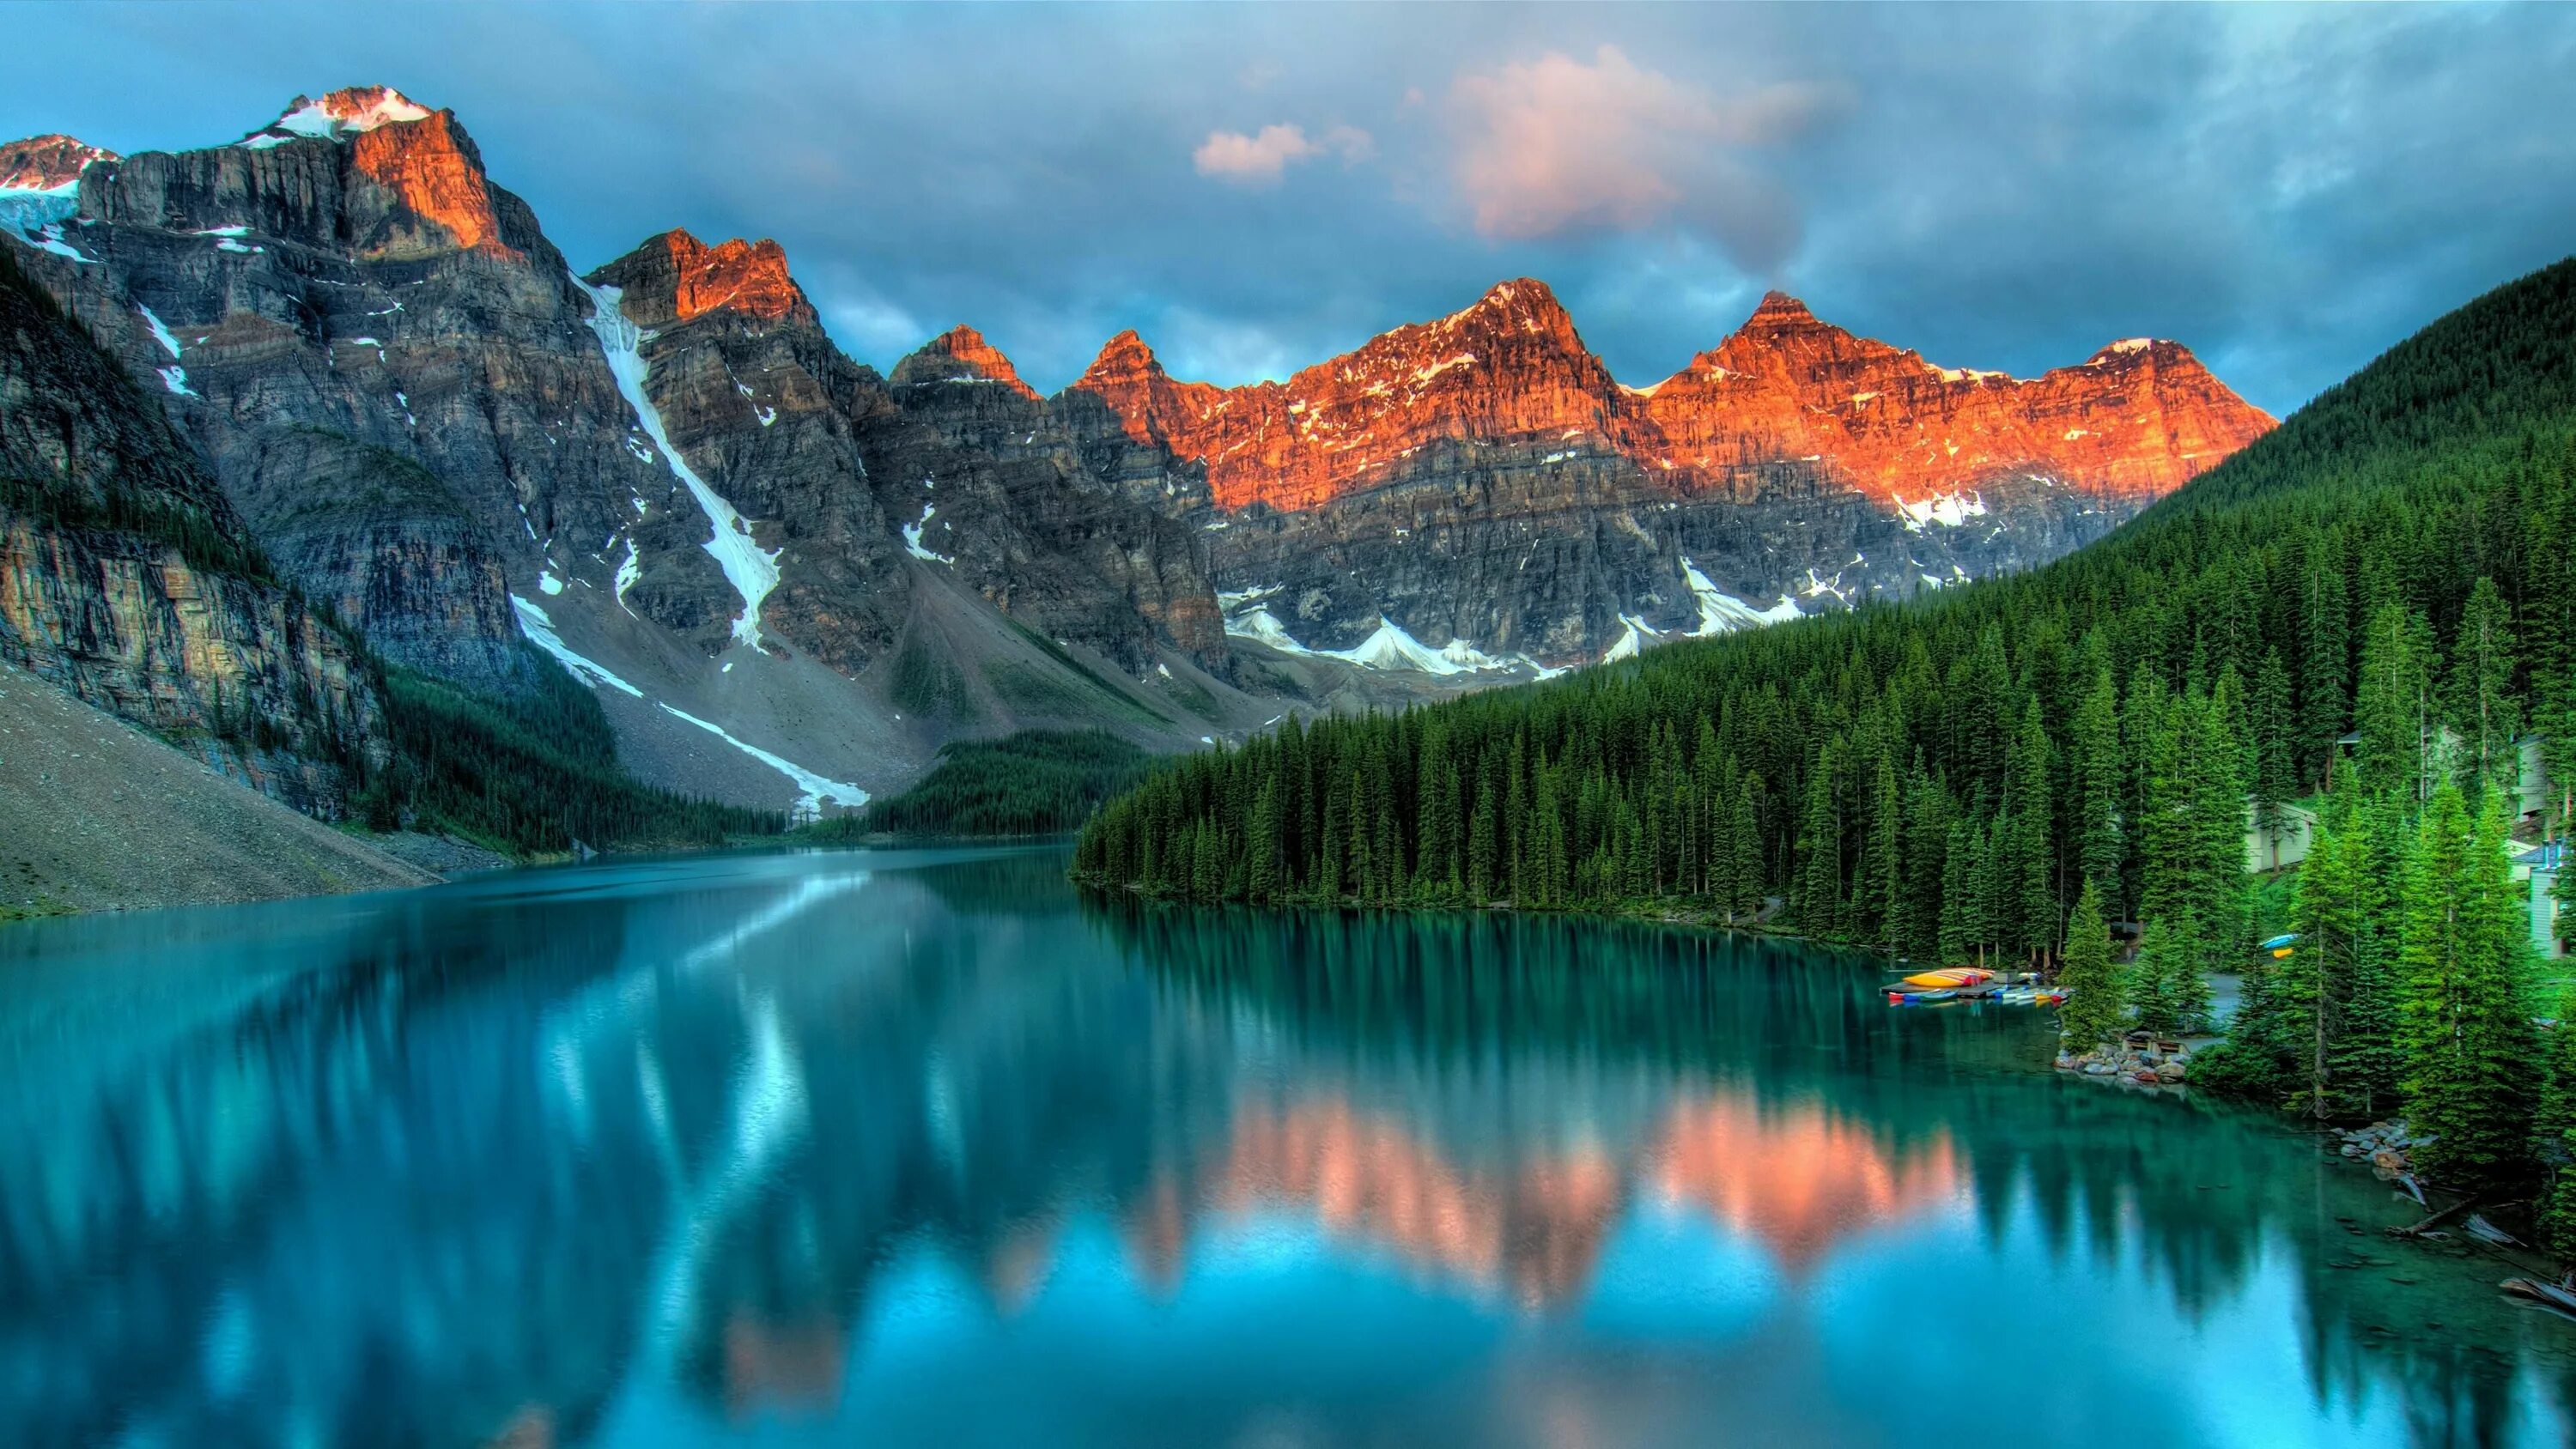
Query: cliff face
point(753, 544)
point(2135, 422)
point(124, 578)
point(753, 397)
point(350, 269)
point(2138, 420)
point(856, 481)
point(1482, 479)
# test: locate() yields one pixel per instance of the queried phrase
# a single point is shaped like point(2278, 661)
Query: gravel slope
point(97, 815)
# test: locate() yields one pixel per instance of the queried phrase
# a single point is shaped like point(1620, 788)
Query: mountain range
point(790, 579)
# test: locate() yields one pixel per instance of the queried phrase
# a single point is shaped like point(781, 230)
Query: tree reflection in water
point(664, 1150)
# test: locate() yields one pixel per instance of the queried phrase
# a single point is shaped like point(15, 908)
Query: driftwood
point(2425, 1227)
point(2487, 1232)
point(2547, 1295)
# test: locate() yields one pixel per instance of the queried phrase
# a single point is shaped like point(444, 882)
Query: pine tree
point(2095, 748)
point(1820, 845)
point(2028, 858)
point(2554, 1134)
point(2093, 1012)
point(2276, 775)
point(2483, 712)
point(1263, 886)
point(2465, 1025)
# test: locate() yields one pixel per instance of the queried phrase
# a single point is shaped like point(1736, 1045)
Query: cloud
point(1262, 159)
point(1557, 146)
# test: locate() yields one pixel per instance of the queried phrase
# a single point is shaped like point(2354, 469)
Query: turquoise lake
point(930, 1148)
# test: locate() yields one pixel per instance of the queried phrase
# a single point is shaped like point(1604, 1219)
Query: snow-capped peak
point(339, 115)
point(48, 163)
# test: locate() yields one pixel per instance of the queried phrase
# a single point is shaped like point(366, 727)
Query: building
point(2285, 844)
point(2541, 868)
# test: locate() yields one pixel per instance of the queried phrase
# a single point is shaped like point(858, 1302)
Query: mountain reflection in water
point(923, 1147)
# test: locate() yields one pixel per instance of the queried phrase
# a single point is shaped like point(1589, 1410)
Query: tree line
point(2375, 602)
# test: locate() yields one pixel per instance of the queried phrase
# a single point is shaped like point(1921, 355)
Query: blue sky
point(1256, 187)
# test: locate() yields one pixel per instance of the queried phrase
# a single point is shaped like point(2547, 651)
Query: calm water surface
point(926, 1148)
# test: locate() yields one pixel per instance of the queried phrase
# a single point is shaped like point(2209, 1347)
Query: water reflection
point(926, 1147)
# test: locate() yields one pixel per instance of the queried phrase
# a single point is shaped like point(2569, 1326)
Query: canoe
point(1950, 978)
point(1920, 998)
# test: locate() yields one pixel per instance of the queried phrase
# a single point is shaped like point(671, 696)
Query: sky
point(1257, 187)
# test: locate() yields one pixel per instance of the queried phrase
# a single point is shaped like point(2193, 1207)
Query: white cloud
point(1260, 160)
point(1559, 145)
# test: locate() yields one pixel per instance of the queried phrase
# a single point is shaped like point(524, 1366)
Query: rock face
point(124, 578)
point(855, 481)
point(665, 474)
point(349, 272)
point(1483, 477)
point(46, 163)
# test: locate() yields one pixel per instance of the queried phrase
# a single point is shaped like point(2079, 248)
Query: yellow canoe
point(1954, 976)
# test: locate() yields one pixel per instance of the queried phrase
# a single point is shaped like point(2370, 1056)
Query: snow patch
point(311, 119)
point(628, 571)
point(540, 630)
point(37, 217)
point(912, 538)
point(1946, 509)
point(176, 379)
point(1722, 613)
point(815, 788)
point(548, 582)
point(752, 570)
point(1633, 634)
point(160, 333)
point(1389, 647)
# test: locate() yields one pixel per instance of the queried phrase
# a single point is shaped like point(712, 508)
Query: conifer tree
point(2484, 714)
point(2093, 1012)
point(2095, 750)
point(2028, 856)
point(2464, 1022)
point(2554, 1134)
point(2275, 748)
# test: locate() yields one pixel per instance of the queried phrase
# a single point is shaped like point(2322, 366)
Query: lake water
point(926, 1148)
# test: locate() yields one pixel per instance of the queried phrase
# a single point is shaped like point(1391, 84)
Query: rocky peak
point(442, 201)
point(1523, 305)
point(339, 116)
point(1780, 310)
point(1124, 361)
point(961, 354)
point(47, 163)
point(674, 278)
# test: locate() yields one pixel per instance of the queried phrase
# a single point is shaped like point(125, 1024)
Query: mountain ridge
point(432, 419)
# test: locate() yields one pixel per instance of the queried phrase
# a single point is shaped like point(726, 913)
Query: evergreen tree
point(2554, 1135)
point(2484, 715)
point(2093, 1012)
point(2095, 747)
point(2465, 1024)
point(2276, 774)
point(2027, 868)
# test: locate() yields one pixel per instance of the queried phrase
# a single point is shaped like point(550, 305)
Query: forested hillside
point(1945, 779)
point(2394, 557)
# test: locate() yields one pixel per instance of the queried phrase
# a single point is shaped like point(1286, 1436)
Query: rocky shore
point(2137, 1061)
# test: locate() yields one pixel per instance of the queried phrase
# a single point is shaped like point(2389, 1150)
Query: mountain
point(1944, 779)
point(124, 580)
point(663, 472)
point(1484, 479)
point(790, 580)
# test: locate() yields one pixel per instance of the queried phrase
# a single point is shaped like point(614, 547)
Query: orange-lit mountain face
point(44, 163)
point(2133, 423)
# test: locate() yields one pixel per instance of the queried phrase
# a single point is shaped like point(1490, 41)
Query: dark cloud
point(2288, 190)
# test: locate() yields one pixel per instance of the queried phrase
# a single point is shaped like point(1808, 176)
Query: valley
point(789, 579)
